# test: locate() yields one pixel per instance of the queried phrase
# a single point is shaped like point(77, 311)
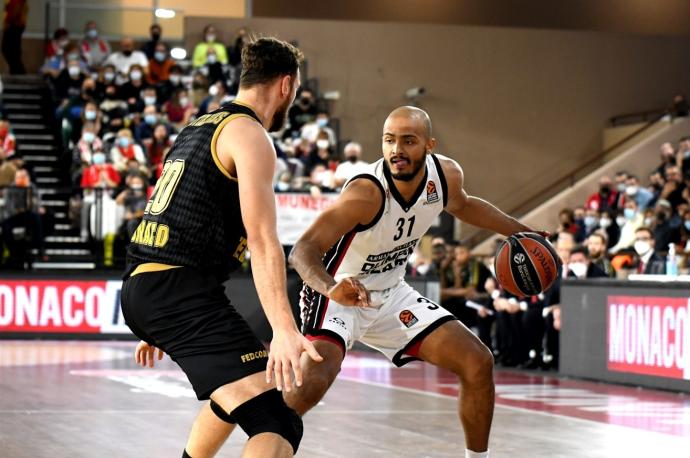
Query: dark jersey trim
point(442, 176)
point(328, 336)
point(400, 359)
point(406, 206)
point(372, 223)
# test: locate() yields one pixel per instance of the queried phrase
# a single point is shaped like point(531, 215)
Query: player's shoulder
point(450, 168)
point(364, 184)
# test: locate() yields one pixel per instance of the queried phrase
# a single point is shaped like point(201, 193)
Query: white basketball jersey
point(377, 254)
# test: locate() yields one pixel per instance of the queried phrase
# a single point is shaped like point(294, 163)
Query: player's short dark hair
point(580, 249)
point(267, 58)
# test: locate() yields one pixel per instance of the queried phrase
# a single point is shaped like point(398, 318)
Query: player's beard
point(408, 176)
point(279, 117)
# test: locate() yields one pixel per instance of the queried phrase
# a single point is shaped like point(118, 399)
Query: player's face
point(281, 114)
point(404, 147)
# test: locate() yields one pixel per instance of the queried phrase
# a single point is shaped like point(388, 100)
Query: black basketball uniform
point(189, 241)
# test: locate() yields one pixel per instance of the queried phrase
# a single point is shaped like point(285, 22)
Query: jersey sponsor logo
point(407, 318)
point(254, 355)
point(431, 193)
point(383, 262)
point(339, 321)
point(150, 233)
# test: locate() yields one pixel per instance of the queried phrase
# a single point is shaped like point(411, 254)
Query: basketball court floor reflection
point(88, 399)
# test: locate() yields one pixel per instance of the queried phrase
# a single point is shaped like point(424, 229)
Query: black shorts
point(187, 314)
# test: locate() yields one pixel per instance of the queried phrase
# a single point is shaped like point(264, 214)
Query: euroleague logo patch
point(431, 193)
point(407, 318)
point(519, 258)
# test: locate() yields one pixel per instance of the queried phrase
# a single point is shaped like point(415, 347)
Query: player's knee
point(479, 366)
point(268, 413)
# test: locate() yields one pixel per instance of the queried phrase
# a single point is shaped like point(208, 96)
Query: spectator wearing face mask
point(200, 56)
point(311, 131)
point(217, 92)
point(596, 247)
point(605, 198)
point(125, 149)
point(159, 65)
point(633, 190)
point(53, 65)
point(173, 83)
point(649, 262)
point(144, 129)
point(127, 57)
point(234, 51)
point(213, 69)
point(590, 222)
point(114, 110)
point(69, 82)
point(352, 165)
point(302, 111)
point(90, 113)
point(57, 44)
point(100, 174)
point(179, 109)
point(133, 199)
point(94, 49)
point(84, 149)
point(582, 266)
point(149, 48)
point(609, 225)
point(131, 90)
point(321, 154)
point(666, 226)
point(106, 77)
point(632, 220)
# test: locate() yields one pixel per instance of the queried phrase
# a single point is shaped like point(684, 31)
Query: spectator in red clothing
point(160, 65)
point(100, 174)
point(57, 45)
point(157, 146)
point(125, 149)
point(7, 140)
point(179, 109)
point(14, 24)
point(604, 199)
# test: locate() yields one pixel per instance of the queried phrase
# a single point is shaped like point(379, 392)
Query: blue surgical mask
point(90, 115)
point(322, 122)
point(88, 137)
point(150, 119)
point(98, 158)
point(212, 59)
point(92, 33)
point(629, 213)
point(123, 142)
point(687, 225)
point(159, 56)
point(590, 221)
point(135, 75)
point(150, 100)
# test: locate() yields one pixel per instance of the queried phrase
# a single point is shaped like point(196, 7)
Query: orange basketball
point(526, 264)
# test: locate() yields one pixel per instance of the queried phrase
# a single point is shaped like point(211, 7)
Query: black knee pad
point(222, 414)
point(268, 413)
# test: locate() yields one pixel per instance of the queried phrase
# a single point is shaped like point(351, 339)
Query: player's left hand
point(144, 354)
point(350, 291)
point(286, 349)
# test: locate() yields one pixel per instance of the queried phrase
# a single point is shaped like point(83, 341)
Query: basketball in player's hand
point(526, 264)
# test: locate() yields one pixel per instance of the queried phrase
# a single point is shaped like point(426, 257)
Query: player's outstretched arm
point(358, 204)
point(244, 146)
point(474, 210)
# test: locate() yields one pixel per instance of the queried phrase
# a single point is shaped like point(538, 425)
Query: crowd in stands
point(629, 225)
point(120, 111)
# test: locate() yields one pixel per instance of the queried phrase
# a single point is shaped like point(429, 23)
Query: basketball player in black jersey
point(213, 201)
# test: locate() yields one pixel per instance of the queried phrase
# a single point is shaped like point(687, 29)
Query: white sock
point(470, 454)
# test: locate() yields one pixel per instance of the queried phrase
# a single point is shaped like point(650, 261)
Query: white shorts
point(395, 324)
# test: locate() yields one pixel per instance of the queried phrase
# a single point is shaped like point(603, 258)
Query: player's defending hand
point(350, 291)
point(284, 358)
point(144, 353)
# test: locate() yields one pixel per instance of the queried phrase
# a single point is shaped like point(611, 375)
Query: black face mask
point(604, 190)
point(661, 216)
point(352, 159)
point(155, 36)
point(127, 53)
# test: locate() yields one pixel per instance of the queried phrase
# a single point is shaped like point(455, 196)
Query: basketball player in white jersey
point(358, 292)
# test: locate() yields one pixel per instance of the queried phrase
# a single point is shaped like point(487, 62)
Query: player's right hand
point(286, 349)
point(144, 354)
point(350, 291)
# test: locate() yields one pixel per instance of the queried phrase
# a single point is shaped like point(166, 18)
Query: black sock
point(185, 454)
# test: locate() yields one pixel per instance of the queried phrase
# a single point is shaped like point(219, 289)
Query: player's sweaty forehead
point(404, 121)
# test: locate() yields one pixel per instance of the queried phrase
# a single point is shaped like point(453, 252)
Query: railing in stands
point(651, 117)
